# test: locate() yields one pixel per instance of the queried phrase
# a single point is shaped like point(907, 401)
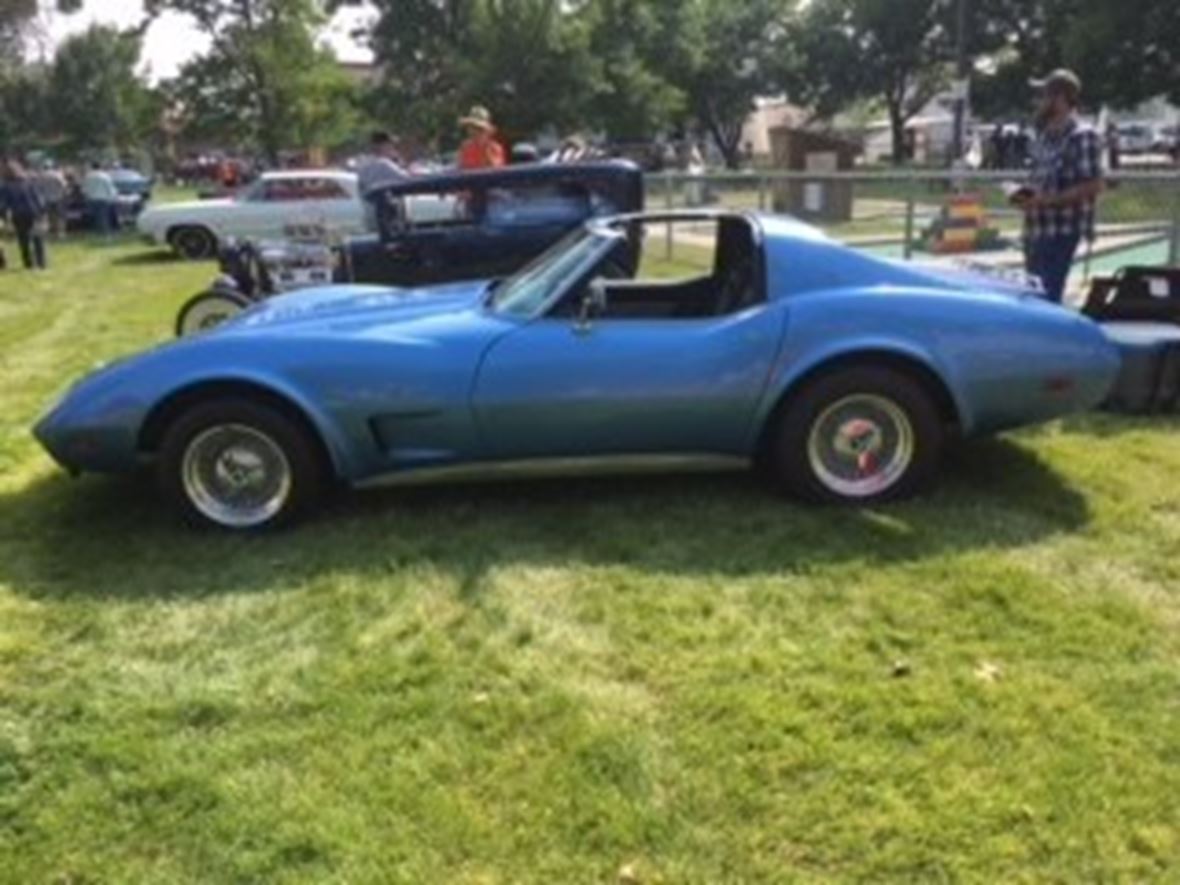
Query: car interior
point(734, 284)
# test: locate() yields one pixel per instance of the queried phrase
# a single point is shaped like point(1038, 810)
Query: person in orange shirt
point(227, 173)
point(480, 150)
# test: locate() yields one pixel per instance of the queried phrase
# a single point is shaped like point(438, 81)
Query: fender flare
point(791, 377)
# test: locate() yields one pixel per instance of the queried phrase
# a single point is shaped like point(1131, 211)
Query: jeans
point(32, 244)
point(103, 214)
point(1050, 259)
point(55, 212)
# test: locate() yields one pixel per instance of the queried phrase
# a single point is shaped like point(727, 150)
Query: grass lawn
point(552, 682)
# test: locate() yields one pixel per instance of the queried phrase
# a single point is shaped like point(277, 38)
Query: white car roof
point(337, 174)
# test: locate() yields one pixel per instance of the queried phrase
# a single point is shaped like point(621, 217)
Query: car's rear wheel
point(858, 435)
point(240, 465)
point(193, 242)
point(208, 311)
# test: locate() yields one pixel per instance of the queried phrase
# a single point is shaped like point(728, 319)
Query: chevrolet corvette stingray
point(841, 375)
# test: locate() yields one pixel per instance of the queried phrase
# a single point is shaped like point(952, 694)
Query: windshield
point(524, 294)
point(253, 193)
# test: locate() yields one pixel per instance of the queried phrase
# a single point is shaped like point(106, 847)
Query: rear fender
point(795, 369)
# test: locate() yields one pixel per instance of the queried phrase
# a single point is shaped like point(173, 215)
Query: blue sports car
point(655, 341)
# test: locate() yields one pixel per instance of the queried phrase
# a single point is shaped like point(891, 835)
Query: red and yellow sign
point(960, 226)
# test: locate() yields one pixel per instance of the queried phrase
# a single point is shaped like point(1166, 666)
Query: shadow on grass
point(149, 257)
point(112, 538)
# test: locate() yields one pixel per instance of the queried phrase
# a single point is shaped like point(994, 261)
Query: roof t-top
point(771, 224)
point(280, 174)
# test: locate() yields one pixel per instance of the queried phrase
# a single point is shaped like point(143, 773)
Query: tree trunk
point(897, 132)
point(727, 140)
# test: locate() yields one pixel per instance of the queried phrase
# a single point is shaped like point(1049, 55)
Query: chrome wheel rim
point(236, 475)
point(861, 445)
point(209, 313)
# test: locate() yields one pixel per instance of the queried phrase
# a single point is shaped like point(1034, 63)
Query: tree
point(22, 86)
point(23, 108)
point(897, 51)
point(1023, 40)
point(529, 61)
point(633, 98)
point(1125, 52)
point(627, 67)
point(265, 82)
point(98, 102)
point(723, 55)
point(16, 20)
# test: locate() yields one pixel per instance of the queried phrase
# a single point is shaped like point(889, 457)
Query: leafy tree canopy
point(265, 83)
point(95, 98)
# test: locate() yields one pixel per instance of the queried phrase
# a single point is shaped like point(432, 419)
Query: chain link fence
point(928, 215)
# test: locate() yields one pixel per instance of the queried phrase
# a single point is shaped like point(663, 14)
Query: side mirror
point(592, 304)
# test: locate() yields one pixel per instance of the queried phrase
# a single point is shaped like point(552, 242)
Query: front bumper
point(94, 443)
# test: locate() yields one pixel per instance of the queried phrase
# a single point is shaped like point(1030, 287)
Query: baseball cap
point(1061, 79)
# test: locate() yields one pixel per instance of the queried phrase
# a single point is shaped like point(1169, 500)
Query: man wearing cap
point(1063, 184)
point(481, 150)
point(383, 166)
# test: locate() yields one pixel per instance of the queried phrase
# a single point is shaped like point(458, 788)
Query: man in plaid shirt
point(1064, 182)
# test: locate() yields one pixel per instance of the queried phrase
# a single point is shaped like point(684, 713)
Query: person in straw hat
point(480, 150)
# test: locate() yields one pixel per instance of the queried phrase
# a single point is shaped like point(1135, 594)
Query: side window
point(436, 209)
point(294, 190)
point(676, 269)
point(323, 189)
point(675, 250)
point(539, 203)
point(281, 190)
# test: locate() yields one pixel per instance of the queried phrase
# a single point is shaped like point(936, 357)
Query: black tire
point(208, 310)
point(193, 242)
point(212, 431)
point(842, 419)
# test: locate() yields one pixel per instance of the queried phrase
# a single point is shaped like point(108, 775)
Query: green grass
point(550, 682)
point(1130, 202)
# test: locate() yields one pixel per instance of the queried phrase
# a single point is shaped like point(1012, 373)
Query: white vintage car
point(270, 208)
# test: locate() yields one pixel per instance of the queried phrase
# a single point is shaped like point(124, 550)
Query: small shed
point(822, 198)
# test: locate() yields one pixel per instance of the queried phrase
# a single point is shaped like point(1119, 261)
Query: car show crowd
point(1060, 161)
point(47, 201)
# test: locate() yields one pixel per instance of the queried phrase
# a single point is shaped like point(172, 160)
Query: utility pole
point(962, 71)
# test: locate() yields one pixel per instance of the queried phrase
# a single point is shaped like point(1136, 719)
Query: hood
point(191, 206)
point(382, 304)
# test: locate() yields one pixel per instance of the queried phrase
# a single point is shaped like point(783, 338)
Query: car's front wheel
point(858, 435)
point(239, 464)
point(193, 242)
